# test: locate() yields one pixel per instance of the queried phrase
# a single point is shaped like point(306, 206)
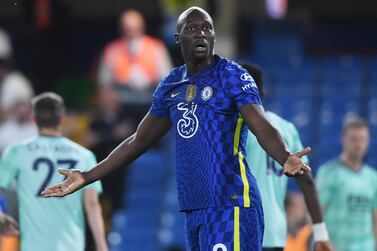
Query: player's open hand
point(294, 165)
point(323, 246)
point(75, 180)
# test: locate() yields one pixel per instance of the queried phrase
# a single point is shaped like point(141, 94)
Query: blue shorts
point(224, 229)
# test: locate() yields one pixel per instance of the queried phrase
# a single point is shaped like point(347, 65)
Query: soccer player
point(210, 101)
point(348, 192)
point(273, 184)
point(57, 224)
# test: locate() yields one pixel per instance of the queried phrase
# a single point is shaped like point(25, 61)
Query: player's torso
point(44, 220)
point(349, 214)
point(201, 105)
point(205, 119)
point(355, 191)
point(40, 160)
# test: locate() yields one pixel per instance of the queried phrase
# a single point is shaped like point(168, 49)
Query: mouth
point(200, 46)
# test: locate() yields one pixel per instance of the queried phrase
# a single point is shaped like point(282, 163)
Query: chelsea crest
point(206, 93)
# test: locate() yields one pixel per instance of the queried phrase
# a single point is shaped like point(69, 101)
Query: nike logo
point(174, 94)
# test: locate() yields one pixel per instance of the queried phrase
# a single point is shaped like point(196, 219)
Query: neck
point(54, 132)
point(194, 68)
point(353, 162)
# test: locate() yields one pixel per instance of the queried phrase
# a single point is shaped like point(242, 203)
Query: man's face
point(132, 24)
point(196, 37)
point(355, 142)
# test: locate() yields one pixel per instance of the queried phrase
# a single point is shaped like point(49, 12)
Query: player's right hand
point(323, 246)
point(75, 180)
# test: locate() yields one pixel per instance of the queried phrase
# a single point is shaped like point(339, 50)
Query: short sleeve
point(158, 107)
point(8, 167)
point(91, 161)
point(243, 87)
point(324, 186)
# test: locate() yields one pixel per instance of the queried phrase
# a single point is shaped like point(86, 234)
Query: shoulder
point(228, 66)
point(329, 167)
point(18, 147)
point(233, 74)
point(370, 170)
point(78, 148)
point(175, 76)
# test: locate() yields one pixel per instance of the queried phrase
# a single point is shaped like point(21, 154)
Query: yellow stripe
point(237, 135)
point(236, 229)
point(246, 197)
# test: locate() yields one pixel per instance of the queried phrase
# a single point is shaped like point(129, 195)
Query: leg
point(232, 229)
point(192, 231)
point(251, 228)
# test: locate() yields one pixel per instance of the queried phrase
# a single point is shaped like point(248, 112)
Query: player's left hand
point(323, 246)
point(74, 181)
point(294, 165)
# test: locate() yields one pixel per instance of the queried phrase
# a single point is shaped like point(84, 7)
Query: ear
point(176, 36)
point(33, 119)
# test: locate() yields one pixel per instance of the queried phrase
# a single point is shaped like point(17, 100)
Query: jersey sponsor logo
point(246, 77)
point(219, 247)
point(248, 86)
point(358, 203)
point(207, 93)
point(188, 125)
point(190, 92)
point(174, 94)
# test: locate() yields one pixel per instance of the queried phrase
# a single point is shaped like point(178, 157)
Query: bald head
point(192, 12)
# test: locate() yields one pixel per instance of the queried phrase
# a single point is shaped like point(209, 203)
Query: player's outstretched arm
point(149, 131)
point(320, 234)
point(272, 142)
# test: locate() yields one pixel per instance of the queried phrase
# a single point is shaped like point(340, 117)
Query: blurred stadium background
point(319, 58)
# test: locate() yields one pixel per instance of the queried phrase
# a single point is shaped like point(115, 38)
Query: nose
point(200, 34)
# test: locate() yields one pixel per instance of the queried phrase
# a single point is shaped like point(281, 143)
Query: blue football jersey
point(210, 133)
